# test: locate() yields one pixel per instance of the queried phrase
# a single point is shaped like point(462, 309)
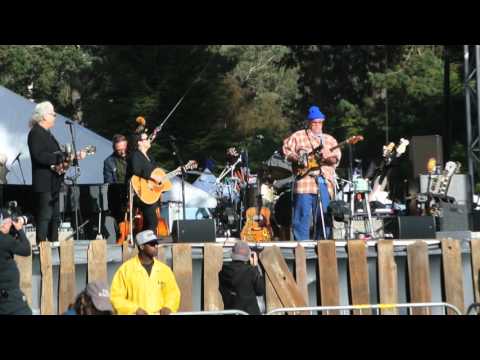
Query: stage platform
point(114, 260)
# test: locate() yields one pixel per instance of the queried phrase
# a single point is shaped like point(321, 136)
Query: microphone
point(68, 122)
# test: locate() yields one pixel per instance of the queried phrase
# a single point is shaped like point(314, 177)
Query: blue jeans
point(305, 207)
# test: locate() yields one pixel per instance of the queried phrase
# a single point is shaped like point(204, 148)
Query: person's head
point(315, 119)
point(5, 221)
point(94, 300)
point(147, 243)
point(142, 142)
point(119, 143)
point(44, 115)
point(241, 252)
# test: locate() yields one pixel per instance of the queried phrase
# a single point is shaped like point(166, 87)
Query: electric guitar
point(380, 182)
point(62, 168)
point(314, 159)
point(150, 191)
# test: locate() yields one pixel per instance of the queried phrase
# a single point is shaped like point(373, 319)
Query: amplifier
point(412, 227)
point(194, 231)
point(454, 217)
point(172, 211)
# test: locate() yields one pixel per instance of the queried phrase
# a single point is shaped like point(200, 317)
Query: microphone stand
point(176, 153)
point(17, 159)
point(73, 179)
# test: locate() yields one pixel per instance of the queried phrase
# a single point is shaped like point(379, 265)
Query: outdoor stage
point(115, 256)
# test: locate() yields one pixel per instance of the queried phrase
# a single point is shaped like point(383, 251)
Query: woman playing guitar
point(140, 164)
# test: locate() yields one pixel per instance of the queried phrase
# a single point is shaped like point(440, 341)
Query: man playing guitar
point(46, 157)
point(296, 149)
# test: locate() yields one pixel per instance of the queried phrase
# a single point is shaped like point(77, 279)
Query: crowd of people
point(143, 285)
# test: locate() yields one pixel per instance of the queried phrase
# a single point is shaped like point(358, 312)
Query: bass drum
point(283, 209)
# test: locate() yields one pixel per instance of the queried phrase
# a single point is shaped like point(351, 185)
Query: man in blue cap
point(317, 185)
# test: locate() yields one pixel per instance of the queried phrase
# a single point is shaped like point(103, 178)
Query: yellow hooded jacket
point(132, 288)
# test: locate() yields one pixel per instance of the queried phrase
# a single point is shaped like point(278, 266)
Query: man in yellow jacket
point(143, 285)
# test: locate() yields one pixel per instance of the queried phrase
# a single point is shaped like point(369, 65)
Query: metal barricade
point(347, 308)
point(473, 307)
point(219, 312)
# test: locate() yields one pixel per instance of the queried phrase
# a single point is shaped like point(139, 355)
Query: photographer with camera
point(13, 241)
point(241, 281)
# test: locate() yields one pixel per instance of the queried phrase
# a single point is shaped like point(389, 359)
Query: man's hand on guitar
point(303, 160)
point(157, 178)
point(82, 154)
point(330, 161)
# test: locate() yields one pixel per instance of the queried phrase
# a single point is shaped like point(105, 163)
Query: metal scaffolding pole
point(472, 110)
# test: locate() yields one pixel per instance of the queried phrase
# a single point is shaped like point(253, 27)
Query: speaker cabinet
point(194, 231)
point(412, 227)
point(454, 217)
point(421, 149)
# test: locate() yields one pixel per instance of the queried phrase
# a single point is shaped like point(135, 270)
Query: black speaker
point(421, 149)
point(193, 231)
point(412, 227)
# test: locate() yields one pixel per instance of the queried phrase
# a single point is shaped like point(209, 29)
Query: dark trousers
point(149, 215)
point(48, 216)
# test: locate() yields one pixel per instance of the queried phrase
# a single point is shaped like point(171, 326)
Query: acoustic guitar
point(62, 168)
point(315, 159)
point(257, 225)
point(149, 191)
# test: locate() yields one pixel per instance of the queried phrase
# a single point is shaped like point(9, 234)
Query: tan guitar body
point(254, 231)
point(148, 190)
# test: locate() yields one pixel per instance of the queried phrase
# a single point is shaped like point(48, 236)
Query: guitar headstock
point(402, 146)
point(90, 150)
point(355, 139)
point(388, 150)
point(191, 165)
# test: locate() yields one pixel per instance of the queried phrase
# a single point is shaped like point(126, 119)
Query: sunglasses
point(152, 243)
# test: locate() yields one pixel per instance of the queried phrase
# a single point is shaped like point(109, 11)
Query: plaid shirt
point(306, 141)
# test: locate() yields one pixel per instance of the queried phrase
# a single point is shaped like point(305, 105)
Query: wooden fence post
point(46, 301)
point(182, 268)
point(67, 281)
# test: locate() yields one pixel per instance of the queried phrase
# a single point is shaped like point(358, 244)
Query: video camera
point(14, 212)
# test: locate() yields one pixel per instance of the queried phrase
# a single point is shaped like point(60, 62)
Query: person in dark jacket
point(114, 173)
point(45, 153)
point(140, 164)
point(241, 281)
point(12, 299)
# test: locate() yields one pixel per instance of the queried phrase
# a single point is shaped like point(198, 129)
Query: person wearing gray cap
point(241, 281)
point(94, 300)
point(143, 285)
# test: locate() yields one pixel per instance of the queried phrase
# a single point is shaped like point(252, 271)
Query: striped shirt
point(307, 141)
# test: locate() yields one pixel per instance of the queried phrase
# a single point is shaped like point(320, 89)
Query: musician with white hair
point(47, 158)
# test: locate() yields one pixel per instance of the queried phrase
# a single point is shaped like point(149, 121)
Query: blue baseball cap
point(314, 113)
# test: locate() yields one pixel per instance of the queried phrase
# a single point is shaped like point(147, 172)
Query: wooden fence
point(283, 288)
